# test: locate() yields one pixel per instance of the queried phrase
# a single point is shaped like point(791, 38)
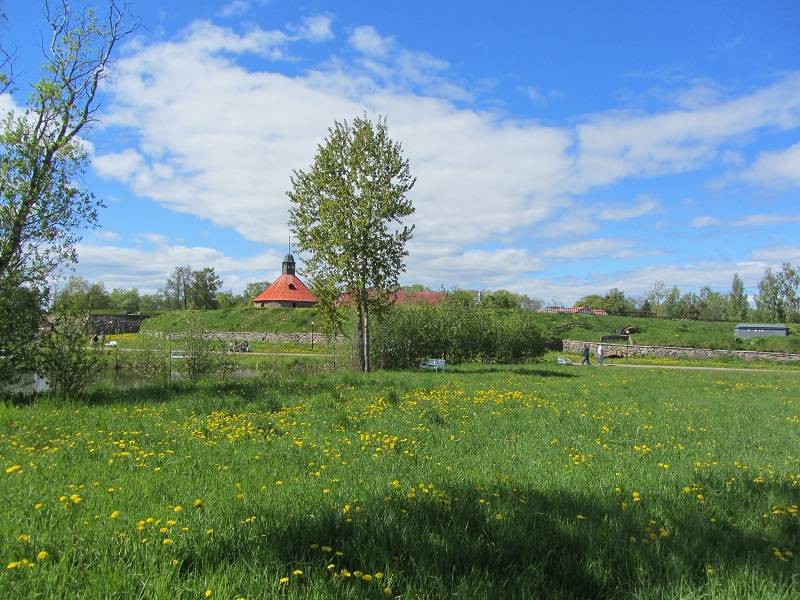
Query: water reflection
point(130, 378)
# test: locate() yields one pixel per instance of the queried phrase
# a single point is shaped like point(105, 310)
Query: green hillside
point(652, 332)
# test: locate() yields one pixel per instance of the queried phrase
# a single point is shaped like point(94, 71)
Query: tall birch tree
point(347, 216)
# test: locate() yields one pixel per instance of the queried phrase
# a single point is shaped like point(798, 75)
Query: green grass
point(654, 332)
point(482, 482)
point(242, 319)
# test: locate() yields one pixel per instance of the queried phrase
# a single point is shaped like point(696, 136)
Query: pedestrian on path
point(585, 359)
point(601, 352)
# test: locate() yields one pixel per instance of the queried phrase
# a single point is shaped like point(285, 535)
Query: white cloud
point(235, 8)
point(217, 140)
point(367, 41)
point(622, 212)
point(758, 220)
point(778, 169)
point(147, 268)
point(617, 145)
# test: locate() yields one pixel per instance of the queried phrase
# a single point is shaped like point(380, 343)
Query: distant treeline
point(777, 300)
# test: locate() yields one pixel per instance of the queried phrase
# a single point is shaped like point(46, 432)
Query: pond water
point(129, 378)
point(113, 378)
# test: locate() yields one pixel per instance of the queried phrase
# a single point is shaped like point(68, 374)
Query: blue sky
point(561, 149)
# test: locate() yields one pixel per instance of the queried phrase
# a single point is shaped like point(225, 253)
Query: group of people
point(239, 346)
point(601, 352)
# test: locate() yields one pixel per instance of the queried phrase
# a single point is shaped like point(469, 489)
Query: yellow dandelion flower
point(23, 537)
point(178, 508)
point(114, 515)
point(208, 593)
point(284, 580)
point(326, 548)
point(378, 575)
point(297, 572)
point(13, 565)
point(167, 541)
point(42, 555)
point(198, 502)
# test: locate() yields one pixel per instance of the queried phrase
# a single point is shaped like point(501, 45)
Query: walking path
point(745, 369)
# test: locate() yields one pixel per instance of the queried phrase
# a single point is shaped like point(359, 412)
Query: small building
point(287, 291)
point(752, 330)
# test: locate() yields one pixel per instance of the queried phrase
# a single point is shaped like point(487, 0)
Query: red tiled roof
point(286, 288)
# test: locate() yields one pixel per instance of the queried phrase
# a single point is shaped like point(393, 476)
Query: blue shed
point(751, 330)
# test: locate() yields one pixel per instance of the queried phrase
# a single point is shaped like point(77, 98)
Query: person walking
point(601, 352)
point(585, 359)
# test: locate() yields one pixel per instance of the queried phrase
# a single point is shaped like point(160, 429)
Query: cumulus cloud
point(367, 41)
point(778, 169)
point(217, 121)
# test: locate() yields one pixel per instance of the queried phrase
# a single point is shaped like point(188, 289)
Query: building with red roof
point(287, 291)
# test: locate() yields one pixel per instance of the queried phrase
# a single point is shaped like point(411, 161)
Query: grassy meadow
point(535, 481)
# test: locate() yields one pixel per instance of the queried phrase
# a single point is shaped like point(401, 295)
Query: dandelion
point(42, 555)
point(167, 541)
point(208, 593)
point(367, 577)
point(114, 515)
point(297, 572)
point(284, 580)
point(23, 537)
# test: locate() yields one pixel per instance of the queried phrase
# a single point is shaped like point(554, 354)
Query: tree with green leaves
point(62, 354)
point(738, 305)
point(187, 288)
point(347, 216)
point(44, 203)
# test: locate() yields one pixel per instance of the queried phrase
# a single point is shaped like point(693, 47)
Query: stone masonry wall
point(111, 324)
point(575, 347)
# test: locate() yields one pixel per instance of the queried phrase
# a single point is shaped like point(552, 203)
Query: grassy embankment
point(482, 482)
point(655, 332)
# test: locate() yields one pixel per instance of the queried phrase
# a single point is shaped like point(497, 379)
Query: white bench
point(433, 364)
point(563, 360)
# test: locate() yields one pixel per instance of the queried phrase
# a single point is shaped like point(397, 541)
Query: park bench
point(563, 360)
point(433, 364)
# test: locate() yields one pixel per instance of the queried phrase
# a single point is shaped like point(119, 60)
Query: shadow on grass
point(511, 542)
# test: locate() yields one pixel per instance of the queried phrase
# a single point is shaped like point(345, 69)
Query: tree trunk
point(365, 362)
